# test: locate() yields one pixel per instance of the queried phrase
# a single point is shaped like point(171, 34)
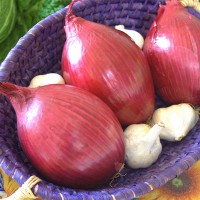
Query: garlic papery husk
point(46, 79)
point(178, 119)
point(142, 145)
point(135, 36)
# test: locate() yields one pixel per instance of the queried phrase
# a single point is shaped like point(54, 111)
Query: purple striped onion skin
point(68, 134)
point(172, 47)
point(109, 64)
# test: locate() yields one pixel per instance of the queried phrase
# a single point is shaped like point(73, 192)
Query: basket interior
point(39, 52)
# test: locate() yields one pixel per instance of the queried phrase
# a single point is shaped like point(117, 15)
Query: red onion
point(172, 47)
point(109, 64)
point(68, 134)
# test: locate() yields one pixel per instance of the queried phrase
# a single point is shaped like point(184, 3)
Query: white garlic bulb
point(178, 119)
point(142, 145)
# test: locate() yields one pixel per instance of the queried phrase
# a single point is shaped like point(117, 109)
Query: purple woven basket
point(39, 52)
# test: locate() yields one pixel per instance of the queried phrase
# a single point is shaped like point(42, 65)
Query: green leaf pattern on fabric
point(29, 12)
point(8, 15)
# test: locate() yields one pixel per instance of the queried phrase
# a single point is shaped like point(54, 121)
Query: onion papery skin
point(109, 64)
point(172, 47)
point(68, 134)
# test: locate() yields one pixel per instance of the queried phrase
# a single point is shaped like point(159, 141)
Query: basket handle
point(25, 192)
point(195, 4)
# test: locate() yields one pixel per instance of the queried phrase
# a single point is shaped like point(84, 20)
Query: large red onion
point(172, 47)
point(109, 64)
point(71, 136)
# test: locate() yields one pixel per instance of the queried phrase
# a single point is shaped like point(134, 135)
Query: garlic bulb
point(135, 36)
point(142, 145)
point(46, 79)
point(178, 119)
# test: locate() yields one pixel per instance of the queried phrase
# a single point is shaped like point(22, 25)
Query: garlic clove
point(52, 78)
point(35, 82)
point(46, 79)
point(142, 145)
point(178, 119)
point(135, 36)
point(136, 131)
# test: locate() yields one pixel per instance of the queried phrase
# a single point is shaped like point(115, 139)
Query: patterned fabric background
point(184, 187)
point(7, 185)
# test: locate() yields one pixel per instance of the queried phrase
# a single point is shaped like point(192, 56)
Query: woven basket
point(39, 52)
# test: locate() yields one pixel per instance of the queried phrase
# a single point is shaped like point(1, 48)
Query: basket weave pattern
point(39, 52)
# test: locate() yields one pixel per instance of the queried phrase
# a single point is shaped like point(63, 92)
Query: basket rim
point(153, 183)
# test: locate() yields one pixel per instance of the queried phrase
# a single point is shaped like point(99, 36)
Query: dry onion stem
point(25, 192)
point(118, 174)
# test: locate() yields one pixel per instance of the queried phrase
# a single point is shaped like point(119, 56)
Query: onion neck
point(69, 14)
point(171, 6)
point(16, 94)
point(71, 25)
